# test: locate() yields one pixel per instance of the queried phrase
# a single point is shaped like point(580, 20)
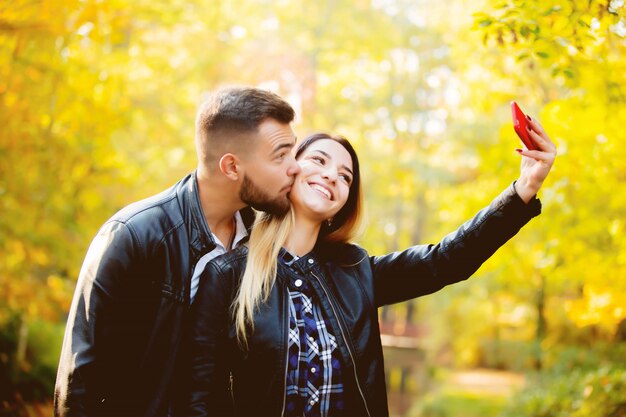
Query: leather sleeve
point(85, 380)
point(425, 269)
point(209, 365)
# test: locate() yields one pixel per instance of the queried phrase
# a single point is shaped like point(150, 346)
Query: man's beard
point(258, 199)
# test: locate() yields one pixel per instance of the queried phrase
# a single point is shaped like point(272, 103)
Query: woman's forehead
point(331, 149)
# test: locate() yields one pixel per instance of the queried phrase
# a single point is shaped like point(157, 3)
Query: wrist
point(526, 188)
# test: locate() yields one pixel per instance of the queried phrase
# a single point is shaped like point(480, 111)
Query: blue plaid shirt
point(314, 382)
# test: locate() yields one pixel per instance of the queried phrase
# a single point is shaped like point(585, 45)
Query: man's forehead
point(281, 139)
point(273, 124)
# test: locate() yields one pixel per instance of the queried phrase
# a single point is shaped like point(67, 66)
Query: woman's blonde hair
point(270, 233)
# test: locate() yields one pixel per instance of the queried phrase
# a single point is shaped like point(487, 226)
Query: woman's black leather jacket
point(350, 286)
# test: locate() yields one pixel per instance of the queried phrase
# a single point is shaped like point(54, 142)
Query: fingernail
point(528, 117)
point(518, 150)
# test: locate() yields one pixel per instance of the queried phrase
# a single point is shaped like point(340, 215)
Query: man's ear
point(230, 166)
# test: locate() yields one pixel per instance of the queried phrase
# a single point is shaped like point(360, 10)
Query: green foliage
point(31, 377)
point(559, 35)
point(585, 115)
point(578, 381)
point(576, 393)
point(454, 404)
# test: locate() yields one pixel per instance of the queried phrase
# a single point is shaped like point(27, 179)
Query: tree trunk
point(22, 342)
point(540, 333)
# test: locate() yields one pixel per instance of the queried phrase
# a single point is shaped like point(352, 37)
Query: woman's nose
point(330, 174)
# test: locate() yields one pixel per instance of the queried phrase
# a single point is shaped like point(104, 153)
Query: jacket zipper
point(232, 392)
point(286, 335)
point(356, 377)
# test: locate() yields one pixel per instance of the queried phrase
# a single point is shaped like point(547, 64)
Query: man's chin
point(257, 199)
point(275, 208)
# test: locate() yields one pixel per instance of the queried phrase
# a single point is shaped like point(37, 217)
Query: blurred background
point(97, 106)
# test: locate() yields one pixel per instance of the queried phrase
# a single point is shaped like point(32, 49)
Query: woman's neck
point(303, 236)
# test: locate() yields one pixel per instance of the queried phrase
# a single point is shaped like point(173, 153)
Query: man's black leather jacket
point(350, 286)
point(131, 301)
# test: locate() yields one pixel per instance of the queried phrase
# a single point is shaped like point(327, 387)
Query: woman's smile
point(322, 190)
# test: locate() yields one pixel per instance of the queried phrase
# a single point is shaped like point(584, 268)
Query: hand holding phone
point(520, 124)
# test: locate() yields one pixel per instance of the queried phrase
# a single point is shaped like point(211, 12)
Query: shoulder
point(158, 204)
point(154, 216)
point(341, 253)
point(230, 263)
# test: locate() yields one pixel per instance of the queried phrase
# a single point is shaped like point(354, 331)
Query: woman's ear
point(229, 166)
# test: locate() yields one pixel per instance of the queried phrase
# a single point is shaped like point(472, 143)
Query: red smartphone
point(520, 124)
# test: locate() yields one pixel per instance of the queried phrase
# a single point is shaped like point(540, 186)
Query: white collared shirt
point(240, 233)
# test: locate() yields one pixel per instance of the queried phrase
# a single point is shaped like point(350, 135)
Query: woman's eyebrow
point(327, 155)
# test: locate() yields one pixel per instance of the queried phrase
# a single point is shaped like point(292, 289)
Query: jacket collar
point(302, 264)
point(248, 215)
point(200, 237)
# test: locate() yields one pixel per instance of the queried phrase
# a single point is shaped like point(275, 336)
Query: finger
point(542, 141)
point(537, 155)
point(535, 123)
point(538, 127)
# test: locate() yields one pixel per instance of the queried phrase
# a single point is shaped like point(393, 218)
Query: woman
point(290, 327)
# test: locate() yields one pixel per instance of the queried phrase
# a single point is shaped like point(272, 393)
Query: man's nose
point(294, 167)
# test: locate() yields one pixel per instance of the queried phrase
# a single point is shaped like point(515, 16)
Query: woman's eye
point(318, 159)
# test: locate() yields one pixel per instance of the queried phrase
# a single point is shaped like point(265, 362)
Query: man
point(142, 269)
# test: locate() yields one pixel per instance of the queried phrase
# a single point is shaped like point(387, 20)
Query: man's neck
point(219, 200)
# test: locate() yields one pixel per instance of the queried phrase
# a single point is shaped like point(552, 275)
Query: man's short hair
point(230, 116)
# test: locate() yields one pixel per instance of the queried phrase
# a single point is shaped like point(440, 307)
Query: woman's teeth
point(322, 190)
